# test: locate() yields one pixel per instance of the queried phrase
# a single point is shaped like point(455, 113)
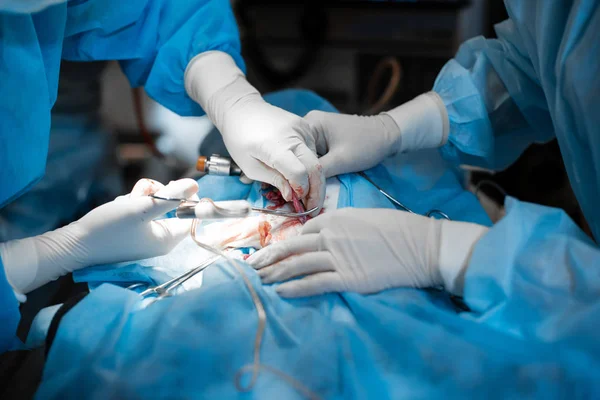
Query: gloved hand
point(367, 251)
point(352, 143)
point(122, 230)
point(269, 144)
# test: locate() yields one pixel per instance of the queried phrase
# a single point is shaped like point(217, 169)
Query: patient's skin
point(264, 230)
point(258, 231)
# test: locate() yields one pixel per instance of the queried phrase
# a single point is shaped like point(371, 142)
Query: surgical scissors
point(164, 289)
point(397, 203)
point(235, 214)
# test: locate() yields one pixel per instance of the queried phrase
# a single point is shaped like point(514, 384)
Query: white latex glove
point(269, 144)
point(367, 251)
point(352, 143)
point(122, 230)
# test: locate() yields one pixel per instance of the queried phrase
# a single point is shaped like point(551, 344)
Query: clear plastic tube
point(261, 314)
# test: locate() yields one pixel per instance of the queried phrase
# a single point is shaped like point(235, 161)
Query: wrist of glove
point(122, 230)
point(269, 144)
point(422, 122)
point(351, 143)
point(368, 251)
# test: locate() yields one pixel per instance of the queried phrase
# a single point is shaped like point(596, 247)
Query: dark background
point(334, 47)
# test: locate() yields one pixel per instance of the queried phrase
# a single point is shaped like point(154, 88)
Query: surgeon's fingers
point(292, 267)
point(292, 169)
point(145, 187)
point(312, 285)
point(258, 171)
point(182, 188)
point(326, 220)
point(316, 178)
point(169, 232)
point(317, 128)
point(151, 208)
point(280, 250)
point(121, 199)
point(245, 180)
point(331, 165)
point(320, 125)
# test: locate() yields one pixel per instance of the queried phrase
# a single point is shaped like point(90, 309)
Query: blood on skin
point(274, 196)
point(264, 230)
point(297, 190)
point(259, 229)
point(234, 238)
point(283, 232)
point(148, 187)
point(289, 223)
point(299, 208)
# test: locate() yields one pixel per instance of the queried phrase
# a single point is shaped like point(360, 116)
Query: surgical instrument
point(397, 203)
point(209, 209)
point(163, 290)
point(217, 165)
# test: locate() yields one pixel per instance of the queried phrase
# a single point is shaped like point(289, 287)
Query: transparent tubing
point(261, 314)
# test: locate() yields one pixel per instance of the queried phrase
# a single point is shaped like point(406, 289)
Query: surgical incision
point(261, 230)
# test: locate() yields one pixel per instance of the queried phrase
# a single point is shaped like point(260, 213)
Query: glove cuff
point(33, 262)
point(209, 72)
point(214, 81)
point(422, 122)
point(392, 134)
point(458, 239)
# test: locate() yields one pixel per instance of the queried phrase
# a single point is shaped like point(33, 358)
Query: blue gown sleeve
point(494, 97)
point(536, 275)
point(9, 314)
point(153, 40)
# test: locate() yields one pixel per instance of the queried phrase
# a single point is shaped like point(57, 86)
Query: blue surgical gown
point(153, 41)
point(537, 81)
point(535, 270)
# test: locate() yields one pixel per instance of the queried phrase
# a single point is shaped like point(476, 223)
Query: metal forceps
point(226, 213)
point(397, 203)
point(164, 289)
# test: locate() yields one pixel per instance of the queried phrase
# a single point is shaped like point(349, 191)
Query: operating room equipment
point(164, 289)
point(217, 165)
point(399, 204)
point(229, 209)
point(282, 42)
